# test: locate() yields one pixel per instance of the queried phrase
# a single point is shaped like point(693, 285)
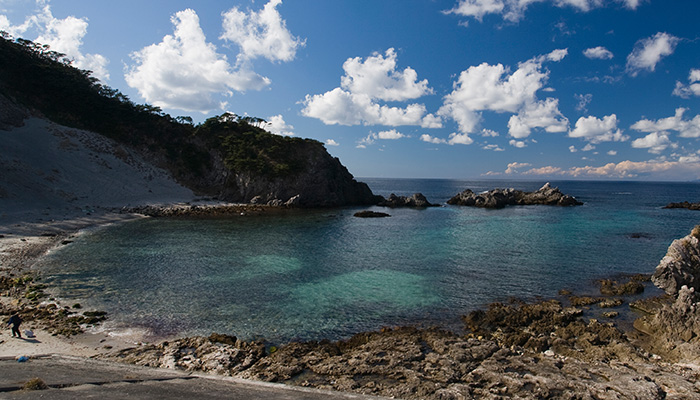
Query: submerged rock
point(371, 214)
point(499, 198)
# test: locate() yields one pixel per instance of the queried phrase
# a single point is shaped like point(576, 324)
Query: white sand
point(58, 180)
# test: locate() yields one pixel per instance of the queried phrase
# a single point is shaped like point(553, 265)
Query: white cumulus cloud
point(331, 142)
point(599, 53)
point(597, 130)
point(494, 88)
point(686, 128)
point(656, 142)
point(692, 88)
point(648, 52)
point(183, 71)
point(364, 84)
point(278, 126)
point(260, 34)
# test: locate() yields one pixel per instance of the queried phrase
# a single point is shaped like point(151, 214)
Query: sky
point(459, 89)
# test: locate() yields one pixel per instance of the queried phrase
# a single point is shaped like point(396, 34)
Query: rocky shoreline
point(548, 349)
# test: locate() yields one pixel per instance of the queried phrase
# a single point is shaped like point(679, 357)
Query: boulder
point(681, 265)
point(500, 198)
point(416, 201)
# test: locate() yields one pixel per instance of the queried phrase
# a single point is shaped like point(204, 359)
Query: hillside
point(227, 157)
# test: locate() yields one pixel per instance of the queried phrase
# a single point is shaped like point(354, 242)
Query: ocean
point(325, 274)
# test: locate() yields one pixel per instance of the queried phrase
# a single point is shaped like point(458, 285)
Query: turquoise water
point(316, 274)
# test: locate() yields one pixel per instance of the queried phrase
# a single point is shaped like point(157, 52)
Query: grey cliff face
point(681, 265)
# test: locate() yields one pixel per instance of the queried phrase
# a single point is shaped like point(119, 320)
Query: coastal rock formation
point(415, 201)
point(684, 204)
point(681, 265)
point(499, 198)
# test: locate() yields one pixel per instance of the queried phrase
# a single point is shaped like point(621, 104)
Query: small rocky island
point(418, 200)
point(499, 198)
point(684, 204)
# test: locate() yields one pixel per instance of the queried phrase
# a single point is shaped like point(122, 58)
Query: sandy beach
point(57, 182)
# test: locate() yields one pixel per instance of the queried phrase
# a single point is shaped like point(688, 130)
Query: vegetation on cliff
point(209, 157)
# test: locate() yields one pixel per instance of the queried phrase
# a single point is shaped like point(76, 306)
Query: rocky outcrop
point(322, 182)
point(681, 265)
point(684, 204)
point(415, 201)
point(500, 198)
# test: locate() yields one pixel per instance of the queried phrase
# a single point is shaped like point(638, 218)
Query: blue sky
point(466, 89)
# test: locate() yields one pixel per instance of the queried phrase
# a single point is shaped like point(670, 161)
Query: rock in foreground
point(681, 265)
point(499, 198)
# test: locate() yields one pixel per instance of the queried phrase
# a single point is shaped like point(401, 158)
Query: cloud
point(648, 52)
point(493, 147)
point(183, 71)
point(543, 114)
point(370, 139)
point(493, 88)
point(454, 138)
point(365, 83)
point(612, 153)
point(588, 147)
point(654, 169)
point(331, 142)
point(378, 78)
point(686, 128)
point(583, 101)
point(515, 166)
point(477, 8)
point(572, 149)
point(597, 130)
point(260, 34)
point(693, 87)
point(514, 10)
point(517, 143)
point(656, 142)
point(276, 125)
point(598, 53)
point(62, 35)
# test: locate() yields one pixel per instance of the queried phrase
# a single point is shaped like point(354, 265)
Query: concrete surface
point(74, 377)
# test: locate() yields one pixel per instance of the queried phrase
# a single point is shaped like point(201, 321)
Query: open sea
point(324, 274)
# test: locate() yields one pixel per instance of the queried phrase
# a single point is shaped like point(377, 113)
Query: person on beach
point(15, 321)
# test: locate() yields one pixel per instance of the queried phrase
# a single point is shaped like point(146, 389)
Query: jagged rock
point(681, 265)
point(417, 201)
point(370, 214)
point(499, 198)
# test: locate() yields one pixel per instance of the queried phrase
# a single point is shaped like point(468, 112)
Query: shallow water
point(325, 274)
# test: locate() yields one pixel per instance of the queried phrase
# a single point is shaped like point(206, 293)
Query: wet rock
point(610, 287)
point(499, 198)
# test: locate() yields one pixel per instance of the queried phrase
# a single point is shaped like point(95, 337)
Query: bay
point(324, 274)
